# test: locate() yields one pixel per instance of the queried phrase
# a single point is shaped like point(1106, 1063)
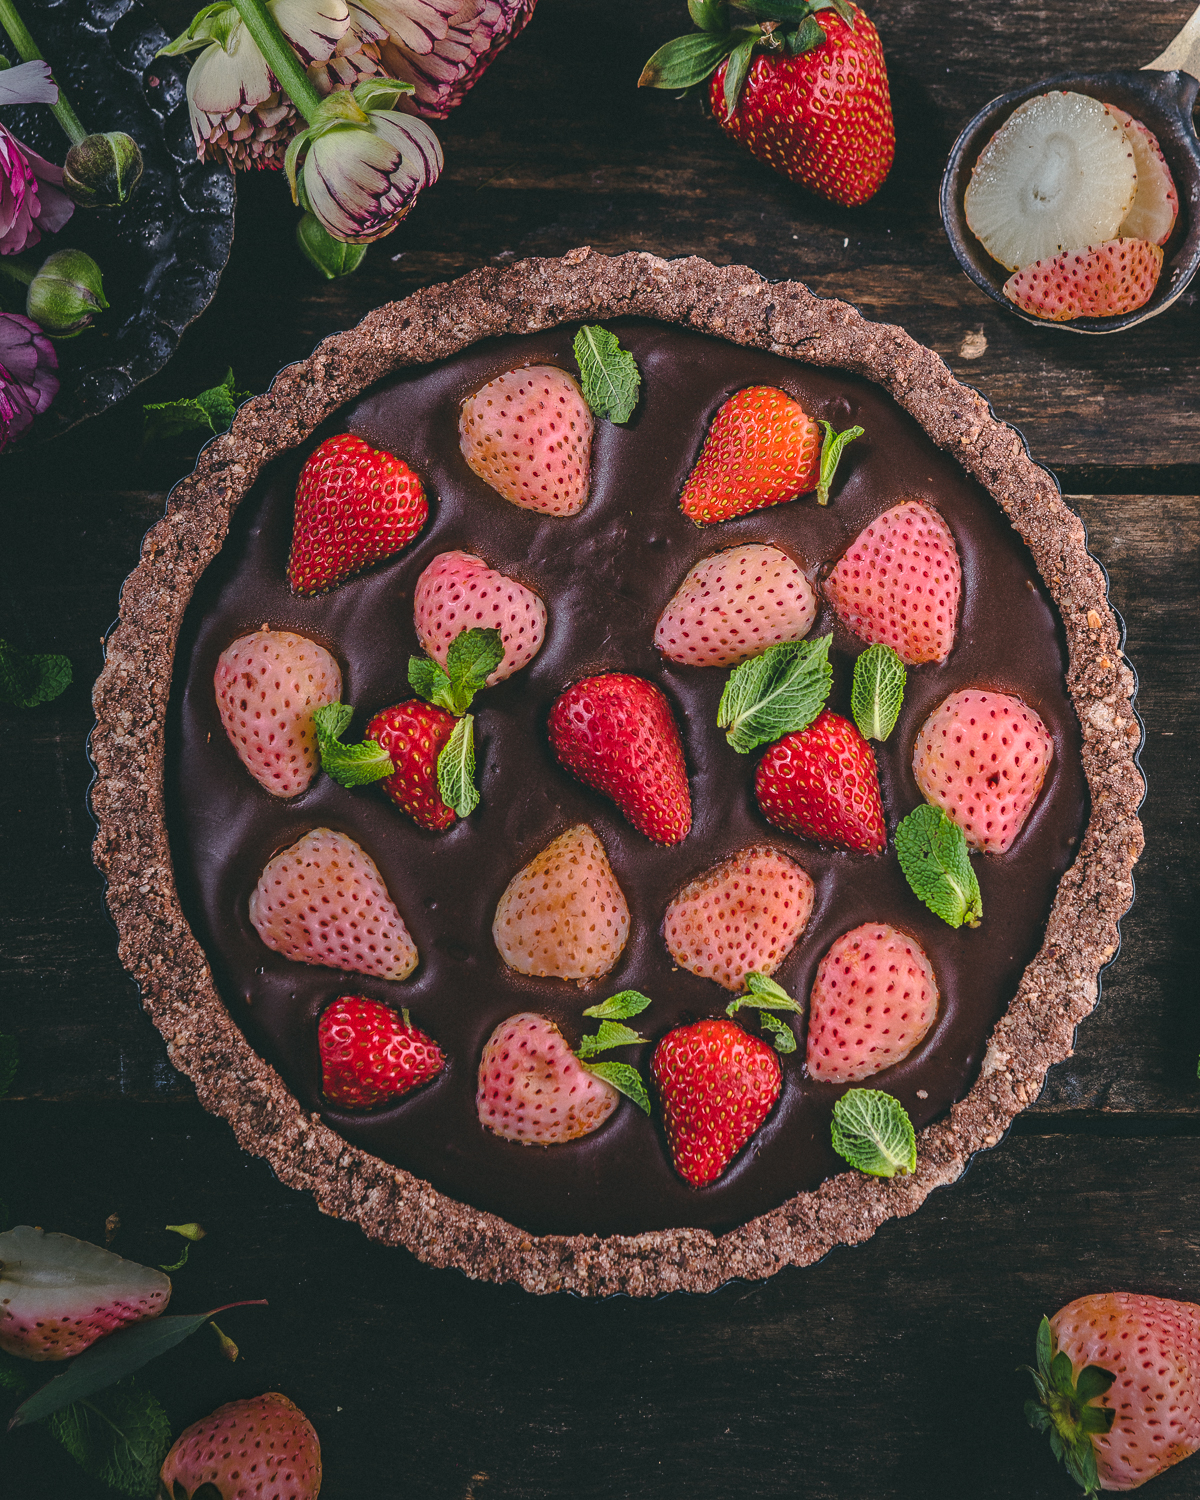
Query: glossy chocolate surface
point(606, 575)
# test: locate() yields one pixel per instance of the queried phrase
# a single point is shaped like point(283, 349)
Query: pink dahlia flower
point(27, 385)
point(31, 195)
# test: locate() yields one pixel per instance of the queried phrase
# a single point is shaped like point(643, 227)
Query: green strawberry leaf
point(878, 691)
point(932, 851)
point(738, 70)
point(687, 60)
point(349, 765)
point(473, 656)
point(1063, 1411)
point(710, 15)
point(26, 681)
point(456, 769)
point(611, 1034)
point(832, 444)
point(872, 1131)
point(8, 1062)
point(624, 1079)
point(611, 378)
point(119, 1437)
point(807, 37)
point(213, 409)
point(620, 1007)
point(776, 693)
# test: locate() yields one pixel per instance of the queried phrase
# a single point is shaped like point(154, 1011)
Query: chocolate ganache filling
point(605, 576)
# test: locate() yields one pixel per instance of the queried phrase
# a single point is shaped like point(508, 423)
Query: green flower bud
point(103, 170)
point(65, 294)
point(332, 258)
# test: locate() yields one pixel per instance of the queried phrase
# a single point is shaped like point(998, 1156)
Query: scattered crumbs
point(846, 243)
point(1168, 731)
point(398, 256)
point(974, 345)
point(265, 626)
point(111, 1225)
point(1093, 620)
point(339, 1408)
point(922, 1093)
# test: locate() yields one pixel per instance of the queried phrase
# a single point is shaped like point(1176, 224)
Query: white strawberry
point(735, 605)
point(528, 434)
point(323, 901)
point(1095, 281)
point(1151, 215)
point(268, 686)
point(533, 1089)
point(458, 591)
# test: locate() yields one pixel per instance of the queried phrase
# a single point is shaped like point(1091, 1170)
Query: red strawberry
point(261, 1449)
point(762, 449)
point(533, 1089)
point(743, 916)
point(982, 758)
point(717, 1084)
point(354, 506)
point(323, 901)
point(370, 1055)
point(898, 583)
point(413, 734)
point(267, 686)
point(458, 592)
point(563, 915)
point(616, 733)
point(736, 605)
point(822, 783)
point(1100, 281)
point(528, 434)
point(874, 998)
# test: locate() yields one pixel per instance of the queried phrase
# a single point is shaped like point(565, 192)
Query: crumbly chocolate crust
point(1058, 988)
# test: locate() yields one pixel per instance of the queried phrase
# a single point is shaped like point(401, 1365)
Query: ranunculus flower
point(442, 47)
point(31, 195)
point(27, 385)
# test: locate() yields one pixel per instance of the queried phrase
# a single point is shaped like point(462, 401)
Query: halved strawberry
point(822, 783)
point(1100, 281)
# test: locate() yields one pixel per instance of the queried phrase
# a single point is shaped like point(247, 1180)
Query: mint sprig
point(1063, 1408)
point(625, 1079)
point(611, 1034)
point(610, 376)
point(777, 693)
point(932, 850)
point(213, 409)
point(26, 681)
point(764, 995)
point(878, 691)
point(472, 658)
point(831, 455)
point(620, 1007)
point(456, 769)
point(119, 1437)
point(349, 765)
point(872, 1131)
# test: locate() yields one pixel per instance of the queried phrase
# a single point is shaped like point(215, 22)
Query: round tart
point(185, 832)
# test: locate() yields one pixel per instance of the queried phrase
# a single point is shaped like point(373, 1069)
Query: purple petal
point(28, 83)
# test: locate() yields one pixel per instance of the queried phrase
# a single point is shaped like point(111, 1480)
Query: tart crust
point(157, 946)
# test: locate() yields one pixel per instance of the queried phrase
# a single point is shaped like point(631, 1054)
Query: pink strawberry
point(1099, 281)
point(563, 915)
point(822, 784)
point(533, 1089)
point(874, 998)
point(354, 506)
point(743, 916)
point(458, 592)
point(59, 1294)
point(323, 901)
point(762, 449)
point(1151, 215)
point(735, 605)
point(414, 734)
point(370, 1055)
point(982, 758)
point(528, 434)
point(617, 734)
point(899, 582)
point(717, 1085)
point(260, 1449)
point(267, 686)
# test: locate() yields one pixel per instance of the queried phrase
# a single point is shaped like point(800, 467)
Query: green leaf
point(119, 1437)
point(710, 15)
point(26, 681)
point(179, 1264)
point(428, 680)
point(831, 450)
point(878, 691)
point(624, 1079)
point(456, 769)
point(807, 37)
point(18, 1375)
point(611, 1034)
point(932, 851)
point(611, 378)
point(349, 765)
point(1045, 1348)
point(213, 409)
point(738, 71)
point(473, 656)
point(777, 10)
point(872, 1131)
point(776, 693)
point(762, 993)
point(686, 61)
point(783, 1038)
point(620, 1007)
point(8, 1062)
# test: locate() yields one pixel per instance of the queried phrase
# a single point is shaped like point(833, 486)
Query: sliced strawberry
point(533, 1089)
point(736, 605)
point(370, 1055)
point(458, 592)
point(1101, 281)
point(528, 434)
point(822, 783)
point(762, 449)
point(1151, 216)
point(413, 734)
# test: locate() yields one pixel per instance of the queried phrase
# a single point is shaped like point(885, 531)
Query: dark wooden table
point(888, 1370)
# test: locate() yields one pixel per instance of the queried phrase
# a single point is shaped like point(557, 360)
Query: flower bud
point(65, 294)
point(103, 170)
point(332, 258)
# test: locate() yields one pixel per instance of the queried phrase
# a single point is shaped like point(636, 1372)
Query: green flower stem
point(27, 51)
point(13, 268)
point(277, 50)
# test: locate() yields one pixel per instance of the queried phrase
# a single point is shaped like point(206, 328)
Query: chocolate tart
point(183, 833)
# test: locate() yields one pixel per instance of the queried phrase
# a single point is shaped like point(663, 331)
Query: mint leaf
point(611, 1034)
point(620, 1007)
point(349, 765)
point(776, 693)
point(831, 451)
point(873, 1132)
point(686, 61)
point(624, 1079)
point(783, 1038)
point(26, 681)
point(473, 656)
point(428, 680)
point(878, 691)
point(8, 1062)
point(119, 1437)
point(764, 995)
point(213, 409)
point(611, 378)
point(932, 850)
point(456, 769)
